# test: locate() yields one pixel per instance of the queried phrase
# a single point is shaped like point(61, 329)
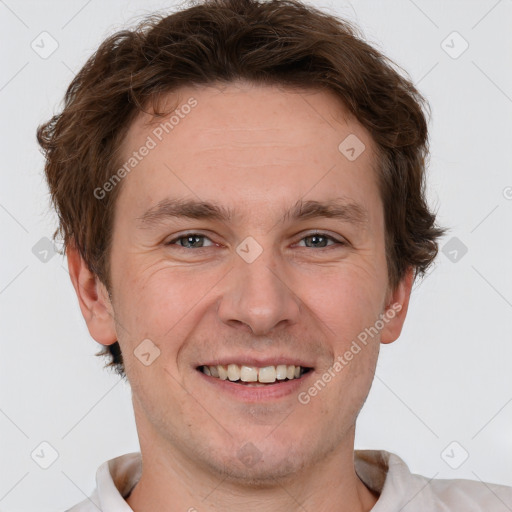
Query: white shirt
point(381, 471)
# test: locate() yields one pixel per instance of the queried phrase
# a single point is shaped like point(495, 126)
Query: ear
point(397, 304)
point(93, 299)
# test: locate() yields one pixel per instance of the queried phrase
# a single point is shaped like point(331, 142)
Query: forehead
point(251, 144)
point(249, 111)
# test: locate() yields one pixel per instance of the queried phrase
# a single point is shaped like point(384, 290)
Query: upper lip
point(259, 362)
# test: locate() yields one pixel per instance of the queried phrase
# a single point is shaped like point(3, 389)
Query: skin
point(257, 150)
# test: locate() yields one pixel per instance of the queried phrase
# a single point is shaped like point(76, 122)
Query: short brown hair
point(282, 42)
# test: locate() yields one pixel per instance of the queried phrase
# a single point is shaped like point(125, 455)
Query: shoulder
point(389, 475)
point(87, 505)
point(115, 479)
point(452, 495)
point(472, 496)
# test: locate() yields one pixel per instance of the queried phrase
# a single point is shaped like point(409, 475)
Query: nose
point(257, 297)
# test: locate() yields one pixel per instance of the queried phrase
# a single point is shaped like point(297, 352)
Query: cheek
point(349, 307)
point(160, 302)
point(350, 299)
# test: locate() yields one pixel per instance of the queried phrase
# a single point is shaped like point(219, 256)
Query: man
point(240, 189)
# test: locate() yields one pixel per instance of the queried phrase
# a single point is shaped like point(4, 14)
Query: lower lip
point(258, 393)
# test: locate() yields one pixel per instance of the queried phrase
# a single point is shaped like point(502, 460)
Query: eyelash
point(309, 235)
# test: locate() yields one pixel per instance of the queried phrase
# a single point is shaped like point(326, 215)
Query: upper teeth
point(267, 374)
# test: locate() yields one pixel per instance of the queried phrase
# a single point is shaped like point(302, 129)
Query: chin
point(264, 474)
point(261, 467)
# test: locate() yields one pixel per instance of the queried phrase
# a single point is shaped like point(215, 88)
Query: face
point(246, 237)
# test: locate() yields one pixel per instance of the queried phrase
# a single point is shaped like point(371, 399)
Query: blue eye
point(190, 241)
point(197, 241)
point(320, 240)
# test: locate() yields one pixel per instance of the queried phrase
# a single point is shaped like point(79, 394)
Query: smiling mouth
point(253, 375)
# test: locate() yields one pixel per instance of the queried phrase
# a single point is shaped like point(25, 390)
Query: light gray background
point(448, 378)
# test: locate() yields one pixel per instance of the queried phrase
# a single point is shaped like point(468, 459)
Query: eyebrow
point(340, 208)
